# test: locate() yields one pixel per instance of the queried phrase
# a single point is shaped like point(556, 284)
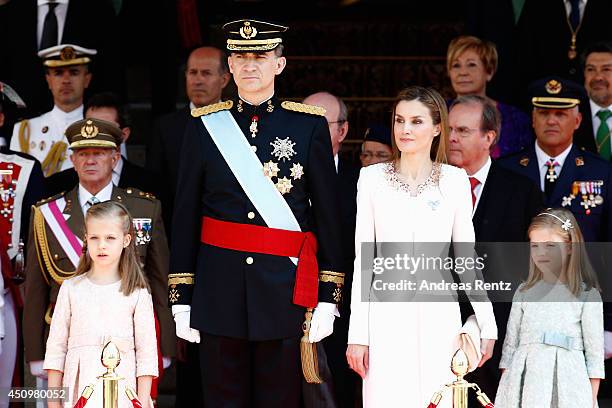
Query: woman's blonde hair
point(579, 270)
point(439, 115)
point(132, 276)
point(486, 50)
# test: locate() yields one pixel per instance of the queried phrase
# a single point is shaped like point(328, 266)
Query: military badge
point(524, 161)
point(89, 130)
point(142, 228)
point(67, 54)
point(247, 31)
point(297, 171)
point(45, 129)
point(283, 149)
point(553, 87)
point(283, 185)
point(579, 161)
point(270, 169)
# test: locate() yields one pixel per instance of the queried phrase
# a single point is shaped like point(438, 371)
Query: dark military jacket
point(242, 294)
point(46, 261)
point(578, 166)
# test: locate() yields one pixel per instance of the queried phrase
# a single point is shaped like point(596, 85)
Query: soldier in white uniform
point(67, 74)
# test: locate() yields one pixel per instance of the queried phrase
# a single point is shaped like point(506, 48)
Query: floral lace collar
point(391, 175)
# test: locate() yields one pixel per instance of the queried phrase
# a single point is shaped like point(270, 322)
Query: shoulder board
point(302, 107)
point(208, 109)
point(49, 199)
point(134, 192)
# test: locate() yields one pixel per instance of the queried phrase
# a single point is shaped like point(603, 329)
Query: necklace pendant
point(571, 53)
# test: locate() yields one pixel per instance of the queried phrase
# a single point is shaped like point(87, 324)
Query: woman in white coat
point(402, 350)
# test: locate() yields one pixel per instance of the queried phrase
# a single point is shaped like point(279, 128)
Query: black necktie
point(574, 16)
point(49, 34)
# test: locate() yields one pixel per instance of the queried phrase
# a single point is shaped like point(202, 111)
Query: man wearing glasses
point(376, 147)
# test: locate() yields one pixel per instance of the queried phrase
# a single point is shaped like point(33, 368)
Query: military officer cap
point(93, 133)
point(66, 54)
point(555, 93)
point(378, 133)
point(253, 35)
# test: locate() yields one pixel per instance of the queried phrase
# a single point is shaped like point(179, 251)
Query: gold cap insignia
point(67, 54)
point(89, 130)
point(524, 161)
point(247, 31)
point(579, 161)
point(553, 87)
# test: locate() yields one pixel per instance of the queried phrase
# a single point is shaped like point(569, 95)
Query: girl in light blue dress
point(553, 354)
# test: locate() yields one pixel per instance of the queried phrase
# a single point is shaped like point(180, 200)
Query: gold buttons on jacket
point(251, 215)
point(249, 260)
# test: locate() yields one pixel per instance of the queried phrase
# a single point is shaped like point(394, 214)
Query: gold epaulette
point(302, 107)
point(208, 109)
point(49, 199)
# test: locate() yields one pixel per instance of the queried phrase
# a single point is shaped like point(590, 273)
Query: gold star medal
point(270, 169)
point(284, 185)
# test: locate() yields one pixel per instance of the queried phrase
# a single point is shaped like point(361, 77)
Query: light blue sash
point(247, 168)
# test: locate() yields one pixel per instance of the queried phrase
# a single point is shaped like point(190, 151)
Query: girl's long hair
point(439, 115)
point(579, 269)
point(132, 276)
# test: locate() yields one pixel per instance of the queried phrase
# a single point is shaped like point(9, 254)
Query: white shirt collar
point(103, 195)
point(336, 162)
point(481, 175)
point(73, 115)
point(543, 157)
point(117, 171)
point(596, 108)
point(43, 2)
point(262, 102)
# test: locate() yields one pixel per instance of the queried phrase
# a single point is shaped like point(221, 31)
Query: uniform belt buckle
point(558, 340)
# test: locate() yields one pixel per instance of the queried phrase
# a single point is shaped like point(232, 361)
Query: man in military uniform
point(570, 178)
point(67, 74)
point(256, 195)
point(57, 229)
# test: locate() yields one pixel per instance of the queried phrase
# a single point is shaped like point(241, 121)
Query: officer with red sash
point(256, 238)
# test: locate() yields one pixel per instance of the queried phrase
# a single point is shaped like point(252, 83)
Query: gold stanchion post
point(111, 358)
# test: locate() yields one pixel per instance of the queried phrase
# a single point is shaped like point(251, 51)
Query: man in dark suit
point(106, 106)
point(344, 379)
point(26, 27)
point(594, 131)
point(504, 204)
point(257, 188)
point(545, 32)
point(206, 75)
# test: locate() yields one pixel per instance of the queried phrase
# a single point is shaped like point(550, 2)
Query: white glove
point(607, 344)
point(322, 322)
point(166, 361)
point(36, 368)
point(183, 329)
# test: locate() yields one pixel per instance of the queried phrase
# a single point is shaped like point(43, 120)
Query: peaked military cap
point(66, 54)
point(93, 133)
point(253, 35)
point(555, 93)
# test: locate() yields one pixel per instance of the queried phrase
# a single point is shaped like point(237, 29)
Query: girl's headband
point(565, 224)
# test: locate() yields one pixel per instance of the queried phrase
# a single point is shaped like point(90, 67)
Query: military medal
point(571, 53)
point(284, 185)
point(42, 145)
point(253, 127)
point(598, 200)
point(270, 169)
point(551, 176)
point(143, 230)
point(297, 171)
point(567, 201)
point(283, 149)
point(585, 201)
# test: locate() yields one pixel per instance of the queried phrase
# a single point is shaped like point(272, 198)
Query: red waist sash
point(271, 241)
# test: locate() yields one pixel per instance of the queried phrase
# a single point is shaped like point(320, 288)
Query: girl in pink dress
point(108, 299)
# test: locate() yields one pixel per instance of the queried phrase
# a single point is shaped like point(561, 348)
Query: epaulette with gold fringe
point(302, 107)
point(49, 199)
point(208, 109)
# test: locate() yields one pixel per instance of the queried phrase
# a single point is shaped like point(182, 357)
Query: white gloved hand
point(166, 361)
point(183, 329)
point(36, 368)
point(322, 322)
